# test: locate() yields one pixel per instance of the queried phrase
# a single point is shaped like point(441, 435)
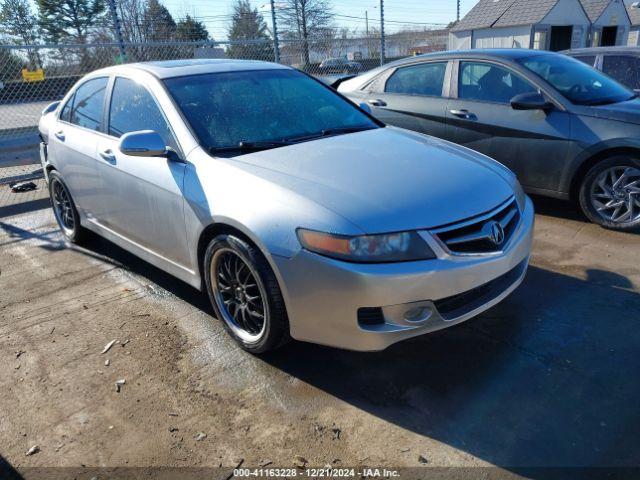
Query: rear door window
point(425, 79)
point(624, 68)
point(87, 104)
point(486, 82)
point(588, 59)
point(133, 108)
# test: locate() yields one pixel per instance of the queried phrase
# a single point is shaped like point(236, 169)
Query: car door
point(143, 195)
point(75, 140)
point(413, 97)
point(532, 143)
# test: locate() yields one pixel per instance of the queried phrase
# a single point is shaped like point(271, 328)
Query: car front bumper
point(323, 295)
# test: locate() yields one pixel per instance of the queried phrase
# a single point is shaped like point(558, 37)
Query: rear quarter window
point(588, 59)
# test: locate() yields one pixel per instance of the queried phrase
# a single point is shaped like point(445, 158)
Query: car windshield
point(576, 81)
point(262, 109)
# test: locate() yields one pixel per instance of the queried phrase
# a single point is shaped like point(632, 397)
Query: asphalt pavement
point(548, 378)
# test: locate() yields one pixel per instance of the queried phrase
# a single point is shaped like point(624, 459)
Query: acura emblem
point(496, 233)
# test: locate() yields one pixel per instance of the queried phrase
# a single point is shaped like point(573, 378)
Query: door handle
point(463, 114)
point(377, 102)
point(59, 135)
point(108, 155)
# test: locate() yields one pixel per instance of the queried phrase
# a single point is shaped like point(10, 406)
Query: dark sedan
point(621, 63)
point(333, 66)
point(566, 129)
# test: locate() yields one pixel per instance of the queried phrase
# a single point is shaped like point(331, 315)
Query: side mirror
point(365, 107)
point(530, 101)
point(144, 143)
point(50, 108)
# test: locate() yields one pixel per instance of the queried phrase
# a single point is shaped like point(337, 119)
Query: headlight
point(521, 198)
point(390, 247)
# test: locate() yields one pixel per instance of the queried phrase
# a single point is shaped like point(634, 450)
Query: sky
point(412, 13)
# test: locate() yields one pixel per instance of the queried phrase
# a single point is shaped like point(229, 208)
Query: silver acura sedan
point(299, 213)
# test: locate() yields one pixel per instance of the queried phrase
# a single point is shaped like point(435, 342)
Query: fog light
point(417, 314)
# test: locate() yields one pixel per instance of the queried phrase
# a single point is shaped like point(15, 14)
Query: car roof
point(598, 50)
point(500, 53)
point(180, 68)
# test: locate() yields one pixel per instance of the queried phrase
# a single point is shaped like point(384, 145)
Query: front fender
point(595, 150)
point(222, 192)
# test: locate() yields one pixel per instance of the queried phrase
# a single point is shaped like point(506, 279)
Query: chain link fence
point(32, 76)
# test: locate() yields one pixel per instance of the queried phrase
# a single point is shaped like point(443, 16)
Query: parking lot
point(547, 378)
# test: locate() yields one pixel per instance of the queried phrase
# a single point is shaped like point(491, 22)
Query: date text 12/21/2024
point(364, 472)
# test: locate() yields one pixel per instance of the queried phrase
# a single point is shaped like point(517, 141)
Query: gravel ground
point(547, 378)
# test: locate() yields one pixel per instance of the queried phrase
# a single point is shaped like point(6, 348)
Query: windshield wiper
point(243, 146)
point(327, 132)
point(340, 130)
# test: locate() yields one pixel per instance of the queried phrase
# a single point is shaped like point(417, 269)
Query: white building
point(610, 23)
point(634, 15)
point(541, 24)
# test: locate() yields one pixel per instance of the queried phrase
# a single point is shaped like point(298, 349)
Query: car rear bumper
point(43, 160)
point(398, 300)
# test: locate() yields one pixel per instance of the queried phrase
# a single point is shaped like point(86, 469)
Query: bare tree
point(306, 20)
point(131, 13)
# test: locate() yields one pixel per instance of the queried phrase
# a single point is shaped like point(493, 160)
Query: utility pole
point(369, 46)
point(366, 21)
point(458, 12)
point(382, 53)
point(118, 29)
point(276, 47)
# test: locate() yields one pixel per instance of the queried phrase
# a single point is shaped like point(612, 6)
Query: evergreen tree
point(190, 29)
point(20, 26)
point(248, 25)
point(11, 65)
point(158, 24)
point(71, 20)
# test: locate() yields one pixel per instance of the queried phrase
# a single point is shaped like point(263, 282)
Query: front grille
point(488, 234)
point(457, 305)
point(368, 316)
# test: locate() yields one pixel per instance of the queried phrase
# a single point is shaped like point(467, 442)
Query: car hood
point(387, 179)
point(628, 111)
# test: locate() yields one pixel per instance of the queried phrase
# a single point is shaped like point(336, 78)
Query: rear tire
point(64, 209)
point(610, 193)
point(245, 294)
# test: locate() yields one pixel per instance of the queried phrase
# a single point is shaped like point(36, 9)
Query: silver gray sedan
point(299, 213)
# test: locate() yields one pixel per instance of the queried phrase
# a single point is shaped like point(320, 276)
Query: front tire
point(610, 193)
point(64, 209)
point(245, 294)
